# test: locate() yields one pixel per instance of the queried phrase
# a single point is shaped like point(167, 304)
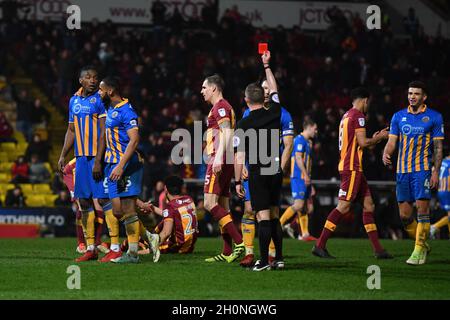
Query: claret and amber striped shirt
point(350, 152)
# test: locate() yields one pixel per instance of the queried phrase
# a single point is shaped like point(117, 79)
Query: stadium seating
point(50, 200)
point(3, 156)
point(27, 188)
point(34, 200)
point(42, 189)
point(5, 166)
point(5, 177)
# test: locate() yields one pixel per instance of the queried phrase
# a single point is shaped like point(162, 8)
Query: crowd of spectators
point(161, 68)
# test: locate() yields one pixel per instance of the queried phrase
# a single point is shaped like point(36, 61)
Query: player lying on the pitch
point(177, 232)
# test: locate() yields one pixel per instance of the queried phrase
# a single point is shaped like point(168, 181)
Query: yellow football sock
point(441, 223)
point(423, 229)
point(131, 222)
point(113, 226)
point(411, 229)
point(288, 214)
point(88, 224)
point(248, 231)
point(303, 223)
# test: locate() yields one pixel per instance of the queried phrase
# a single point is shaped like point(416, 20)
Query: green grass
point(36, 269)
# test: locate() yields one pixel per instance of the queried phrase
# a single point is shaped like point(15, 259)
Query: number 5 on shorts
point(207, 179)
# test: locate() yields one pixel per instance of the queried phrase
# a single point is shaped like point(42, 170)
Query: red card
point(262, 47)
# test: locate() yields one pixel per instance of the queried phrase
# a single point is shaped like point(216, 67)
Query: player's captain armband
point(222, 112)
point(165, 213)
point(362, 122)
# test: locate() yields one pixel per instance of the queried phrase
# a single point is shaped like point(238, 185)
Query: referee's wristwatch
point(238, 182)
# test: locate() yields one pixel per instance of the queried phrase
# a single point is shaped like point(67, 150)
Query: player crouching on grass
point(177, 232)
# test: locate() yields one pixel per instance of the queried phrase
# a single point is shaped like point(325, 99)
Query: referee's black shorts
point(265, 190)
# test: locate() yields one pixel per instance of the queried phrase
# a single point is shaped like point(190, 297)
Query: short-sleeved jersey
point(444, 176)
point(416, 133)
point(287, 125)
point(351, 153)
point(260, 120)
point(69, 176)
point(304, 147)
point(183, 213)
point(119, 120)
point(220, 112)
point(84, 113)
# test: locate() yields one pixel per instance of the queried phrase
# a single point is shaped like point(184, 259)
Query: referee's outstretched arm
point(271, 82)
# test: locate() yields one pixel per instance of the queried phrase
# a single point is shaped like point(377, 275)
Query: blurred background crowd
point(162, 66)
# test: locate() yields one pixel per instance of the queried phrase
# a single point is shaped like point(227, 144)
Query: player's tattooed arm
point(437, 159)
point(389, 149)
point(133, 135)
point(68, 143)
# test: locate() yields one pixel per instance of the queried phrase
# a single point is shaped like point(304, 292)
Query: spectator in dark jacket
point(15, 198)
point(37, 146)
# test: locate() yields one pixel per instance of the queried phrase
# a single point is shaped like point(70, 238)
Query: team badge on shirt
point(114, 114)
point(222, 112)
point(93, 100)
point(425, 119)
point(165, 213)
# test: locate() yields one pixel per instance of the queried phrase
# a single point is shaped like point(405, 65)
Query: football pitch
point(37, 269)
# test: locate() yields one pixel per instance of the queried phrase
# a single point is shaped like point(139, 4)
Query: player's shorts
point(219, 185)
point(86, 187)
point(444, 200)
point(265, 190)
point(247, 190)
point(170, 246)
point(299, 189)
point(130, 185)
point(353, 186)
point(413, 186)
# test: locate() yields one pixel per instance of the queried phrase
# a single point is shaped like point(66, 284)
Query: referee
point(263, 156)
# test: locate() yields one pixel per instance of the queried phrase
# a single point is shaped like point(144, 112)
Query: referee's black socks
point(264, 234)
point(277, 237)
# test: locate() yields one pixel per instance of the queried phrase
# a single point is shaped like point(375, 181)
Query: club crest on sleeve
point(342, 193)
point(222, 112)
point(275, 98)
point(133, 122)
point(362, 122)
point(165, 213)
point(236, 141)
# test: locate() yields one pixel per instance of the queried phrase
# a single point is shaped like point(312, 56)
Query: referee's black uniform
point(265, 189)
